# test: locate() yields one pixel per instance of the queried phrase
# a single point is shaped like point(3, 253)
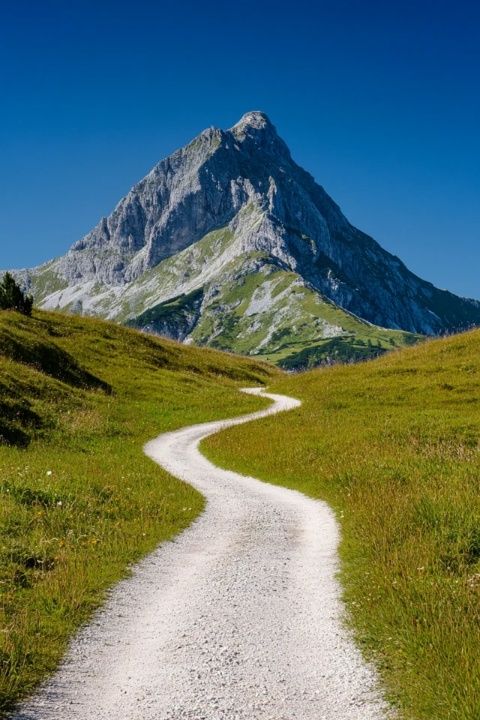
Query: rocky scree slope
point(229, 243)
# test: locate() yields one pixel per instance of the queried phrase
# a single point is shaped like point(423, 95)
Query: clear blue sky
point(378, 100)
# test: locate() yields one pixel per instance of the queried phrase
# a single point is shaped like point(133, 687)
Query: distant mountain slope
point(224, 215)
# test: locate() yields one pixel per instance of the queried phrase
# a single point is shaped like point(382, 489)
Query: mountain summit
point(228, 242)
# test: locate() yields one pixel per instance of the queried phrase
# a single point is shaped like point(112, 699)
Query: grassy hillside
point(393, 446)
point(79, 501)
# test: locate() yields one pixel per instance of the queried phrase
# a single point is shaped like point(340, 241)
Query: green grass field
point(79, 502)
point(393, 446)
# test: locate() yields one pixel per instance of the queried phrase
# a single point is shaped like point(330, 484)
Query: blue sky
point(378, 100)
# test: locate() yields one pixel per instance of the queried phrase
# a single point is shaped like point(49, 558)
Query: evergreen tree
point(12, 297)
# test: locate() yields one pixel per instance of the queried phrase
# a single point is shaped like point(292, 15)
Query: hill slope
point(79, 501)
point(231, 210)
point(393, 445)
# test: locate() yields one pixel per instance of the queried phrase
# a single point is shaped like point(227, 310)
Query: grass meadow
point(79, 502)
point(393, 446)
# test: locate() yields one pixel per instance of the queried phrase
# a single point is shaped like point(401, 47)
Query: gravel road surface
point(238, 618)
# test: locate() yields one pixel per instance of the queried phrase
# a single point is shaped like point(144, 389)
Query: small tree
point(12, 297)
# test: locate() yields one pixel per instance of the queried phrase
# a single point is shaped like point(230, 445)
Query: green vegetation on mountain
point(271, 313)
point(175, 317)
point(79, 502)
point(185, 270)
point(45, 281)
point(393, 445)
point(258, 309)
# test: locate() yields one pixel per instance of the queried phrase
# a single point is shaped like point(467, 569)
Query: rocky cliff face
point(233, 205)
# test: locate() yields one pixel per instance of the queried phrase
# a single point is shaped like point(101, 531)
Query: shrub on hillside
point(12, 297)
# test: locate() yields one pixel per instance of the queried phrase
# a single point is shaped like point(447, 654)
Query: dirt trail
point(238, 618)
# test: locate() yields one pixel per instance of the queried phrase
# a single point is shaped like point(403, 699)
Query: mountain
point(229, 243)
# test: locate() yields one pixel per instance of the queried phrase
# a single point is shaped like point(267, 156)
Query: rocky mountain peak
point(255, 119)
point(229, 205)
point(257, 134)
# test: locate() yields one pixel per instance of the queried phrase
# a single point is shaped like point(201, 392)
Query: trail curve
point(239, 618)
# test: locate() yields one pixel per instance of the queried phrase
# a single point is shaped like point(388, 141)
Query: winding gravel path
point(239, 618)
